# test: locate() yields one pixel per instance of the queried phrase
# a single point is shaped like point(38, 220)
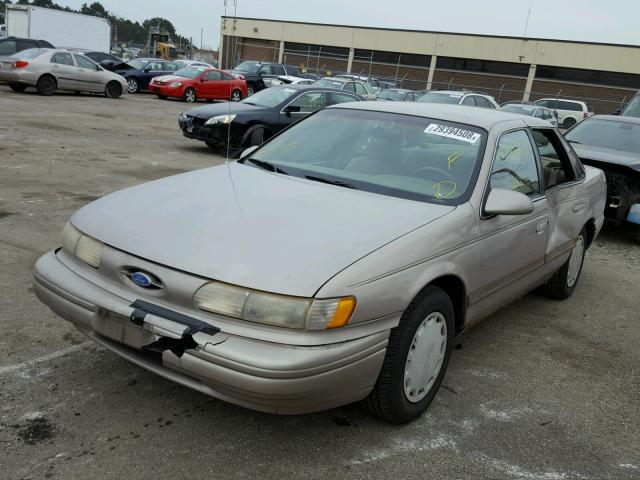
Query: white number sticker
point(452, 132)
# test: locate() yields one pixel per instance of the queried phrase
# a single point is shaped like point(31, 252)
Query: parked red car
point(193, 83)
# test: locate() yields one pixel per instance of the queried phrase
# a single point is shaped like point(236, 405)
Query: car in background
point(569, 112)
point(258, 117)
point(632, 109)
point(199, 83)
point(139, 72)
point(49, 70)
point(291, 80)
point(105, 60)
point(354, 86)
point(612, 144)
point(3, 30)
point(374, 83)
point(531, 110)
point(399, 95)
point(260, 75)
point(453, 97)
point(335, 263)
point(11, 45)
point(193, 63)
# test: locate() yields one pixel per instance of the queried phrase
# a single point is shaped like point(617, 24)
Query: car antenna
point(233, 56)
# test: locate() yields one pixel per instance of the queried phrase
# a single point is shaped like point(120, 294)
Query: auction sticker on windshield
point(452, 132)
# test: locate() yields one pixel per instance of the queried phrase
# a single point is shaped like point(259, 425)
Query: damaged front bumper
point(265, 376)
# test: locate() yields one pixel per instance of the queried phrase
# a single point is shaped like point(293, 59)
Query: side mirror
point(147, 68)
point(507, 202)
point(291, 109)
point(248, 151)
point(202, 79)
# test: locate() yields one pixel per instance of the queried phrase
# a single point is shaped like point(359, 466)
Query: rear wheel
point(189, 95)
point(46, 85)
point(16, 87)
point(250, 90)
point(416, 360)
point(132, 85)
point(236, 96)
point(569, 122)
point(113, 90)
point(564, 281)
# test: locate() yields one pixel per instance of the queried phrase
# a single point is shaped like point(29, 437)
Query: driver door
point(513, 246)
point(89, 74)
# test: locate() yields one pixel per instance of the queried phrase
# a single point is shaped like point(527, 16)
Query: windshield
point(633, 109)
point(521, 109)
point(189, 72)
point(391, 94)
point(392, 154)
point(612, 134)
point(329, 83)
point(270, 97)
point(441, 98)
point(138, 63)
point(249, 67)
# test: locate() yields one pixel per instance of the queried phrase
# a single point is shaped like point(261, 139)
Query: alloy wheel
point(575, 262)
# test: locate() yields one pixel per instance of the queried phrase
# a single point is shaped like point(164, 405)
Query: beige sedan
point(49, 70)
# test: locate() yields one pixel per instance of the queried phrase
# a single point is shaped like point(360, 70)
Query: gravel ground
point(541, 390)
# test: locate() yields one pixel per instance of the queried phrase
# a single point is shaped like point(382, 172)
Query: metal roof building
point(509, 68)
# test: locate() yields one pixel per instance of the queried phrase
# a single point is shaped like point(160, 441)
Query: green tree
point(162, 23)
point(95, 9)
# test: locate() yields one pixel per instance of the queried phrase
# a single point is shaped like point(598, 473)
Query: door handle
point(578, 207)
point(542, 227)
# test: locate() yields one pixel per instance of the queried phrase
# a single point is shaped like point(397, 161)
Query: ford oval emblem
point(141, 279)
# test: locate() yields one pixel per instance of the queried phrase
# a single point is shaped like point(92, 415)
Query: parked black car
point(140, 71)
point(612, 144)
point(105, 60)
point(11, 45)
point(258, 117)
point(258, 75)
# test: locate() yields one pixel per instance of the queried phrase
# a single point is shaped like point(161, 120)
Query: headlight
point(273, 309)
point(224, 119)
point(175, 85)
point(82, 246)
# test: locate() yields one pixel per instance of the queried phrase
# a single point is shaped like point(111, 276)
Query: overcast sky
point(611, 21)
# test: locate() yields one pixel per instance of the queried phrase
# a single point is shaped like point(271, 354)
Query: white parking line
point(44, 358)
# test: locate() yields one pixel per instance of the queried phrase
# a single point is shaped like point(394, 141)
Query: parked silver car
point(49, 70)
point(460, 97)
point(532, 110)
point(354, 86)
point(334, 263)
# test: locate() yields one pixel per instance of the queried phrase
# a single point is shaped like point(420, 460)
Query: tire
point(113, 90)
point(16, 87)
point(236, 96)
point(569, 122)
point(161, 97)
point(189, 95)
point(46, 85)
point(250, 90)
point(132, 85)
point(398, 395)
point(255, 137)
point(564, 281)
point(637, 235)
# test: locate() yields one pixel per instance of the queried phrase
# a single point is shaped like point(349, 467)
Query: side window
point(266, 70)
point(488, 103)
point(351, 87)
point(573, 106)
point(374, 83)
point(170, 67)
point(62, 59)
point(555, 161)
point(84, 62)
point(98, 57)
point(360, 89)
point(226, 76)
point(545, 103)
point(213, 75)
point(155, 67)
point(341, 98)
point(514, 167)
point(277, 70)
point(24, 45)
point(310, 102)
point(469, 101)
point(8, 47)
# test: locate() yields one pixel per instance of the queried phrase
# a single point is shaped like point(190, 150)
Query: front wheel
point(132, 85)
point(569, 122)
point(16, 87)
point(189, 95)
point(564, 281)
point(113, 90)
point(250, 90)
point(416, 360)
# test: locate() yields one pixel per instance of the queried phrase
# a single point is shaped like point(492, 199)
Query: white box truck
point(62, 29)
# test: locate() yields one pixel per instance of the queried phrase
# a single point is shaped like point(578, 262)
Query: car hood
point(171, 78)
point(231, 108)
point(607, 155)
point(249, 227)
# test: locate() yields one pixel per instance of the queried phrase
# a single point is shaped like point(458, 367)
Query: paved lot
point(542, 390)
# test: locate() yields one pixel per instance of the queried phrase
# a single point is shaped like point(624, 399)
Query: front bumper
point(264, 376)
point(194, 128)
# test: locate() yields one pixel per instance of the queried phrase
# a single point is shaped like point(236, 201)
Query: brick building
point(509, 68)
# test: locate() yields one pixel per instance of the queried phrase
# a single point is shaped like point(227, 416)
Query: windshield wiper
point(573, 141)
point(249, 103)
point(339, 183)
point(266, 166)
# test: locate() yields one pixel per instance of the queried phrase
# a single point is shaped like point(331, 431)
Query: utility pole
point(201, 33)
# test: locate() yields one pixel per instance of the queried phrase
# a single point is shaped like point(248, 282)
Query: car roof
point(561, 100)
point(481, 117)
point(617, 118)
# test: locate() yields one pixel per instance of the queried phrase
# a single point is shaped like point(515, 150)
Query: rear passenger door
point(65, 71)
point(566, 195)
